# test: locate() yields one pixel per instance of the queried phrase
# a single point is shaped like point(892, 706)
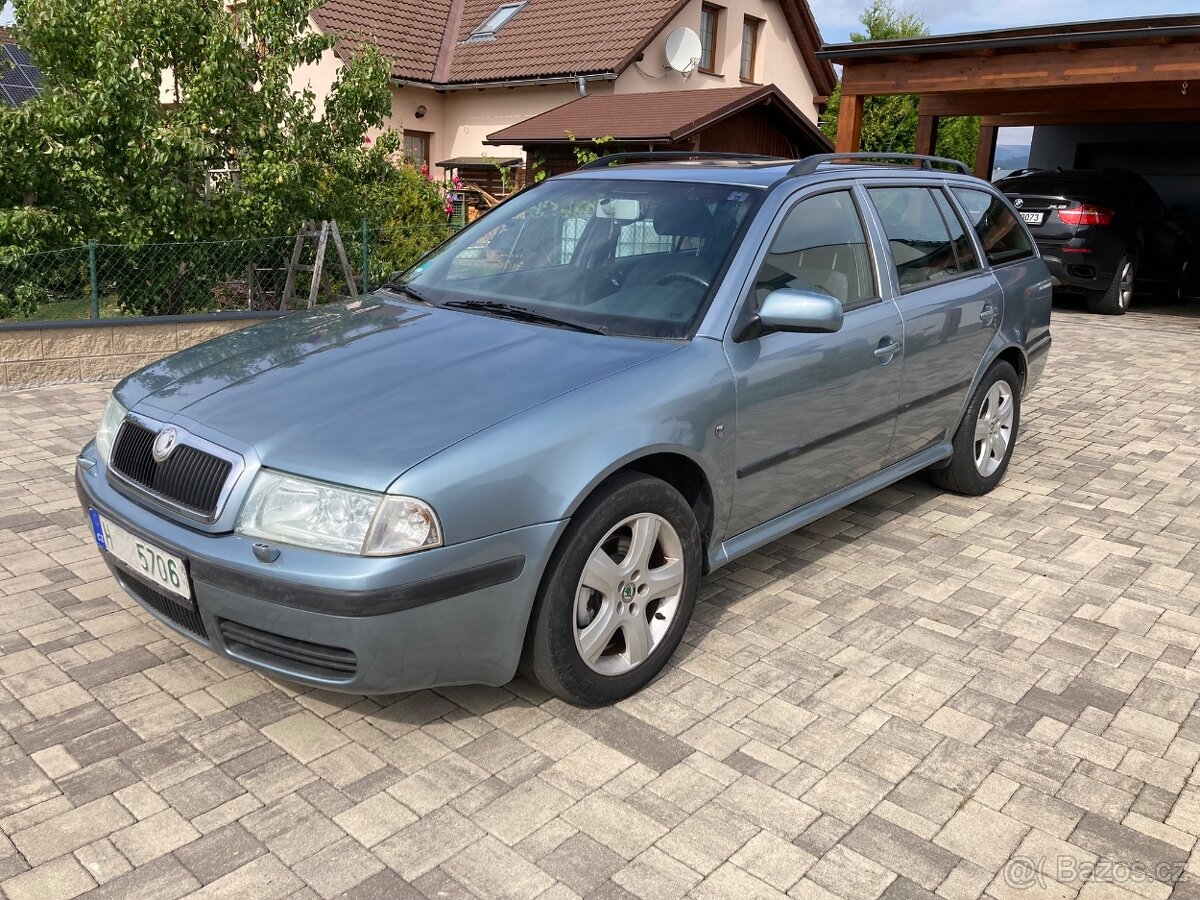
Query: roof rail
point(809, 164)
point(664, 155)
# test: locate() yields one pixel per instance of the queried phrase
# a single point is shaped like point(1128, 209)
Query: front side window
point(638, 258)
point(920, 242)
point(1004, 238)
point(750, 29)
point(710, 25)
point(820, 247)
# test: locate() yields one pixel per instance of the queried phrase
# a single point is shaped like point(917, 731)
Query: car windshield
point(625, 257)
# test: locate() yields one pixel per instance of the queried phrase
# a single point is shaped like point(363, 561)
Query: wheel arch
point(677, 468)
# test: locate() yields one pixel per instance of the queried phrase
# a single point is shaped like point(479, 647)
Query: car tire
point(992, 416)
point(1117, 297)
point(617, 594)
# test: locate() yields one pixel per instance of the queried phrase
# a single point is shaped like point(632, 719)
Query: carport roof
point(1109, 32)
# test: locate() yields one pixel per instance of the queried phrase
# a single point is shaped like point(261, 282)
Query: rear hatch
point(1041, 214)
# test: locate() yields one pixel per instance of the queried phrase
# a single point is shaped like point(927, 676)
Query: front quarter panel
point(540, 465)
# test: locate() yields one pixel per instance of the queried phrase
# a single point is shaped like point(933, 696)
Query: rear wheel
point(1116, 298)
point(984, 442)
point(617, 594)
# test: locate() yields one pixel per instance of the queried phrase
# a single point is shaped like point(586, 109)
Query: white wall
point(779, 60)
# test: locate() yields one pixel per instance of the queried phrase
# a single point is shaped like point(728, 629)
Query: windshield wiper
point(399, 287)
point(523, 314)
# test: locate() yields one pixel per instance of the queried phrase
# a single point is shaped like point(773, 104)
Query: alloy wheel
point(1125, 287)
point(993, 428)
point(628, 594)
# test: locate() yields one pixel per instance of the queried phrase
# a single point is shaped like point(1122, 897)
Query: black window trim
point(868, 186)
point(955, 186)
point(745, 308)
point(967, 230)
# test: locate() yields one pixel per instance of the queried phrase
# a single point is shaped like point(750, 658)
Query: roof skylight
point(496, 21)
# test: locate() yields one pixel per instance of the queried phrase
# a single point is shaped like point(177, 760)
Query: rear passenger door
point(951, 306)
point(815, 412)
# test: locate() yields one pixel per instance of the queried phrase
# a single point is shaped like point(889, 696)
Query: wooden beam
point(850, 118)
point(927, 134)
point(1090, 66)
point(985, 154)
point(1095, 117)
point(1059, 99)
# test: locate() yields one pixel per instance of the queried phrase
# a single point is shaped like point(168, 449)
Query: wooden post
point(927, 134)
point(850, 118)
point(985, 155)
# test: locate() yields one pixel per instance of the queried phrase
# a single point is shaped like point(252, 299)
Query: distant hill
point(1012, 156)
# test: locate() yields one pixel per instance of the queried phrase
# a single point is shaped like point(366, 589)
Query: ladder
point(317, 269)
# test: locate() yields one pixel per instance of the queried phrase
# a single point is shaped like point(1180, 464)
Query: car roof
point(763, 173)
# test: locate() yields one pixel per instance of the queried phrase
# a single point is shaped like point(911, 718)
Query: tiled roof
point(430, 41)
point(6, 36)
point(663, 117)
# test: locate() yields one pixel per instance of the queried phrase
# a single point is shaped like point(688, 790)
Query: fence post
point(366, 259)
point(95, 281)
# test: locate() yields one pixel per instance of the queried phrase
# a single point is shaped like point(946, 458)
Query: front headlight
point(294, 510)
point(110, 422)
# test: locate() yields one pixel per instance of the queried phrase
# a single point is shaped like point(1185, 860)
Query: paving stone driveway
point(923, 693)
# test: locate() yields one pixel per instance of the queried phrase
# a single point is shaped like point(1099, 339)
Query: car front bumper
point(452, 615)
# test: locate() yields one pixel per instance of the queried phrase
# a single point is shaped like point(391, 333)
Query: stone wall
point(54, 352)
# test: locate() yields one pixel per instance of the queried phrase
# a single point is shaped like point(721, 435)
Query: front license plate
point(153, 563)
point(1033, 218)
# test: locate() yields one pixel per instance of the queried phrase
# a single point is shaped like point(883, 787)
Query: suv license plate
point(1033, 218)
point(153, 563)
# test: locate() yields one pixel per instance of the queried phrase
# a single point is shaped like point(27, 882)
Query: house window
point(750, 28)
point(710, 30)
point(497, 20)
point(416, 148)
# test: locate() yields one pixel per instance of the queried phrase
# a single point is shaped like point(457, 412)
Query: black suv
point(1103, 234)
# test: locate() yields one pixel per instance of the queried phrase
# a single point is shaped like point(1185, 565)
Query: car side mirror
point(806, 312)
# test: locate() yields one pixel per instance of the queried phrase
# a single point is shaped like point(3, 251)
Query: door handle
point(988, 314)
point(885, 352)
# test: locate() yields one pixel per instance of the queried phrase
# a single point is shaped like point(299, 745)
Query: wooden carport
point(1117, 71)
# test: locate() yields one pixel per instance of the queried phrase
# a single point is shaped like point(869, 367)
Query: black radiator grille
point(307, 658)
point(189, 477)
point(187, 618)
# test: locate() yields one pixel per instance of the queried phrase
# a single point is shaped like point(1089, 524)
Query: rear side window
point(1004, 239)
point(964, 250)
point(918, 235)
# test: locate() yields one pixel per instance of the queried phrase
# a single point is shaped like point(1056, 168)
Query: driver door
point(815, 412)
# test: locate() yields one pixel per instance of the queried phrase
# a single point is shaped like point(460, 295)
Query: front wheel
point(984, 442)
point(617, 594)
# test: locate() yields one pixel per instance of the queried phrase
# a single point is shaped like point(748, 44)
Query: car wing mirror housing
point(802, 312)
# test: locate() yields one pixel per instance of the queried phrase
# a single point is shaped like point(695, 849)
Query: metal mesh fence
point(102, 280)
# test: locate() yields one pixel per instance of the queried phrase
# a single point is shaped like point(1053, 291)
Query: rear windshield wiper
point(523, 314)
point(399, 287)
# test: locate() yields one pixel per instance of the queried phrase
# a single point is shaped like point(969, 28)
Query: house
point(19, 77)
point(465, 70)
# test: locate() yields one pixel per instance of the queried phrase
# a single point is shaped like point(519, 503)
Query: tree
point(890, 122)
point(141, 99)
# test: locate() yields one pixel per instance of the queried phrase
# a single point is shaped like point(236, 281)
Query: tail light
point(1087, 214)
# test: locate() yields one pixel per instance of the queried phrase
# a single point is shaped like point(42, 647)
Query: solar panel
point(14, 95)
point(19, 78)
point(18, 55)
point(15, 77)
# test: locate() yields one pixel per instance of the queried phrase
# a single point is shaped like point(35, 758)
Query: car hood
point(360, 392)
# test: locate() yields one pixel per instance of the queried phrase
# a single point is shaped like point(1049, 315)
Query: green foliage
point(586, 152)
point(142, 98)
point(890, 122)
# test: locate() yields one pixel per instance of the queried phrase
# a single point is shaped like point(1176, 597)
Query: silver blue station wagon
point(529, 449)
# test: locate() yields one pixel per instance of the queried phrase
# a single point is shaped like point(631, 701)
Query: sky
point(6, 14)
point(837, 18)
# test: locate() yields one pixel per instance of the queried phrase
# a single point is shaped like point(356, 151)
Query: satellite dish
point(683, 50)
